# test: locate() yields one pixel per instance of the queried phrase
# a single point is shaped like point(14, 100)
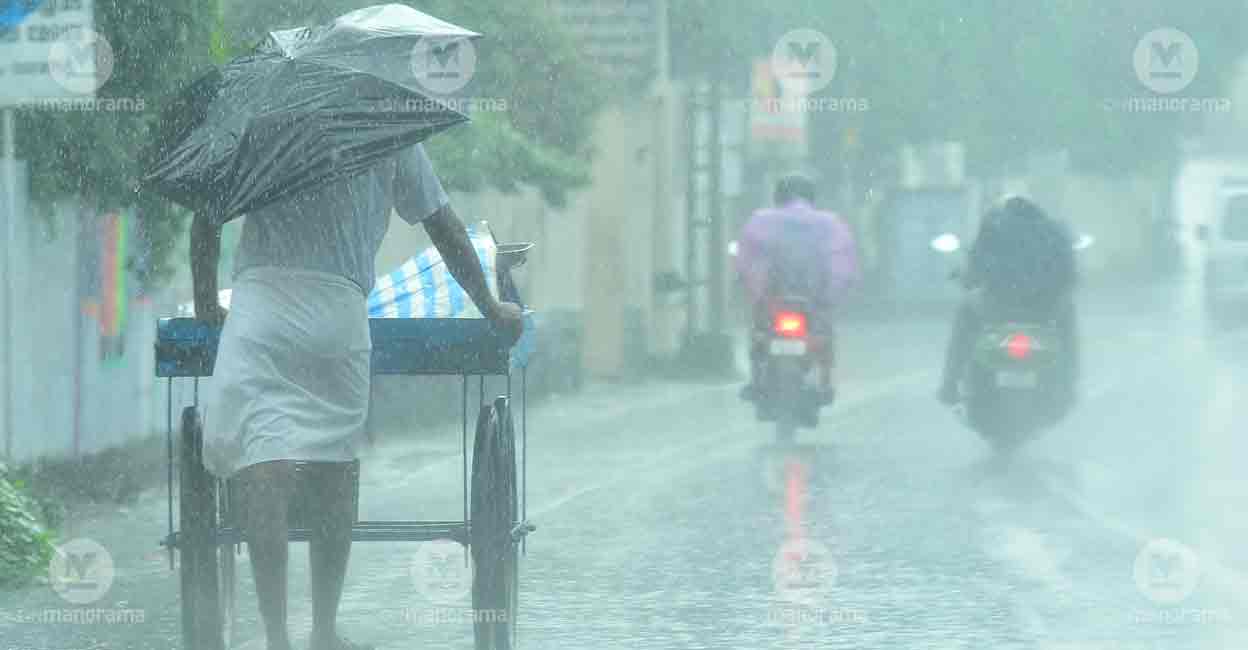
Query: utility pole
point(692, 276)
point(662, 250)
point(707, 348)
point(663, 49)
point(6, 282)
point(715, 205)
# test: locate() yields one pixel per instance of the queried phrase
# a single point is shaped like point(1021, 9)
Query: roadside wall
point(77, 389)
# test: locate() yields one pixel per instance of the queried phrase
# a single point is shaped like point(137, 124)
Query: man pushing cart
point(289, 400)
point(292, 366)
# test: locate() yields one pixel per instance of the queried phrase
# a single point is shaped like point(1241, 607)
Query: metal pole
point(169, 459)
point(78, 329)
point(663, 54)
point(6, 284)
point(691, 213)
point(715, 204)
point(661, 257)
point(463, 448)
point(524, 452)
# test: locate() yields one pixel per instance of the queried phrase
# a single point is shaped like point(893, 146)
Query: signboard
point(774, 117)
point(49, 50)
point(618, 35)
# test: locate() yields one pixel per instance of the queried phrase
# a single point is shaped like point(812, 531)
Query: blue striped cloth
point(422, 287)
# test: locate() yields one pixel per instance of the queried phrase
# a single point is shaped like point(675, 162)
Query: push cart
point(494, 524)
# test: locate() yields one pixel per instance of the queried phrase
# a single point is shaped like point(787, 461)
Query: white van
point(1226, 250)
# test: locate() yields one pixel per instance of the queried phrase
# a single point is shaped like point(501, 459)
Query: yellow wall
point(619, 214)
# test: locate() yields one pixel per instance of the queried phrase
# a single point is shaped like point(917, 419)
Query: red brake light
point(790, 323)
point(1018, 346)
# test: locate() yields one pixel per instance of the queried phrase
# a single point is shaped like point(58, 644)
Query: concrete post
point(6, 277)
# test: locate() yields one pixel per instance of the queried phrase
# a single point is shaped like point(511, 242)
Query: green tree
point(93, 155)
point(1004, 80)
point(27, 547)
point(527, 63)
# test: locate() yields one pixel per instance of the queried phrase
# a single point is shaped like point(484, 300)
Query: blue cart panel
point(186, 347)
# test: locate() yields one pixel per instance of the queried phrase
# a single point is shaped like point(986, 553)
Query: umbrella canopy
point(307, 106)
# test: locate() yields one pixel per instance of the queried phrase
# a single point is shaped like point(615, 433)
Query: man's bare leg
point(266, 496)
point(330, 488)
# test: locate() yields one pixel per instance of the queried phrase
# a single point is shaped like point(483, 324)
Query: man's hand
point(508, 317)
point(450, 237)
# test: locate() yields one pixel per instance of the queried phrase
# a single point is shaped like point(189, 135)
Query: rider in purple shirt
point(797, 249)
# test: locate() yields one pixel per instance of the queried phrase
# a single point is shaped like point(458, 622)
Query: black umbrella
point(305, 107)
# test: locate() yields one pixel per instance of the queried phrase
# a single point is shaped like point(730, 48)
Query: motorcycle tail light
point(789, 324)
point(1018, 346)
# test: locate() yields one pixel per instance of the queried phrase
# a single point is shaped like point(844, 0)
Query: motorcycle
point(1012, 388)
point(1010, 391)
point(785, 351)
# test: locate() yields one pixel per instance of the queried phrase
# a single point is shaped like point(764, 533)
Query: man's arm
point(450, 237)
point(419, 198)
point(205, 255)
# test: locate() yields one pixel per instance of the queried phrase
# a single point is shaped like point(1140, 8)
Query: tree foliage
point(533, 127)
point(1005, 80)
point(27, 546)
point(543, 102)
point(92, 155)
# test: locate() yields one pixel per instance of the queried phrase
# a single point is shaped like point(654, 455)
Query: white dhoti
point(291, 380)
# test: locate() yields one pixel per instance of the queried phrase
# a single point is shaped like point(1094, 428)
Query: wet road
point(668, 519)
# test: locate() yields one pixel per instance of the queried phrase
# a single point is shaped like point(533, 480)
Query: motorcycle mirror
point(946, 243)
point(1084, 242)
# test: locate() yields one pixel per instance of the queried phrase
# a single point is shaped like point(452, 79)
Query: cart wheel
point(197, 511)
point(495, 559)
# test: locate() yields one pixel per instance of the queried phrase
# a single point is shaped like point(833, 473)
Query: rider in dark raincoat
point(1022, 264)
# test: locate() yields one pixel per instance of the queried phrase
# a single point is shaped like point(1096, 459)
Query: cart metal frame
point(495, 523)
